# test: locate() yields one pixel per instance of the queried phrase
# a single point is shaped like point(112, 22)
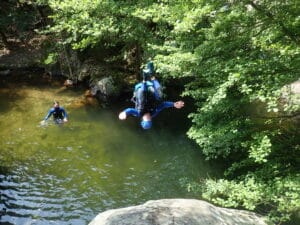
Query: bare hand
point(178, 104)
point(122, 116)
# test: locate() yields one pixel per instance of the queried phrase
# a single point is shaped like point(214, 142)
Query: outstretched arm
point(47, 117)
point(177, 105)
point(128, 112)
point(65, 114)
point(49, 114)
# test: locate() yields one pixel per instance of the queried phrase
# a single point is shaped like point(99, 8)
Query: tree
point(91, 23)
point(234, 55)
point(240, 54)
point(17, 19)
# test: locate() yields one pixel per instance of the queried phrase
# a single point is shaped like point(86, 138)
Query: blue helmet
point(146, 124)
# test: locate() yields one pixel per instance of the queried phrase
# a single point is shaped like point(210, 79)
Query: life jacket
point(147, 95)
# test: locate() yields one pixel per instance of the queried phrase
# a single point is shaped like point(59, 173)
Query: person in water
point(59, 114)
point(147, 116)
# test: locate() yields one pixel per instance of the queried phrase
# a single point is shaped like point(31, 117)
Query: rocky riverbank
point(179, 212)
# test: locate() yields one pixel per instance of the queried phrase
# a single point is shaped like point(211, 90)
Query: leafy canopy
point(237, 56)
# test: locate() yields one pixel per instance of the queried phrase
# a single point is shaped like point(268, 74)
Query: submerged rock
point(179, 212)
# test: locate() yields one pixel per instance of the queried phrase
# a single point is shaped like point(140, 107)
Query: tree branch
point(284, 29)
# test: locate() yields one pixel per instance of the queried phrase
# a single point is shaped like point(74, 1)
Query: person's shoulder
point(155, 82)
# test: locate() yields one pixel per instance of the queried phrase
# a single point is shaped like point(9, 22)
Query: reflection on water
point(68, 174)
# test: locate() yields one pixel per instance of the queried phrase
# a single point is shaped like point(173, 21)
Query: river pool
point(68, 174)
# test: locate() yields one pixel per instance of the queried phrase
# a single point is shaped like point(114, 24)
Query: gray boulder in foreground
point(177, 212)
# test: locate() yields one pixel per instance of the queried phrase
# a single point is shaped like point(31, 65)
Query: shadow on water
point(7, 105)
point(68, 174)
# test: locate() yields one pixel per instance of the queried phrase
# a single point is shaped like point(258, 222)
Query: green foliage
point(17, 19)
point(247, 192)
point(236, 56)
point(51, 59)
point(281, 195)
point(87, 23)
point(260, 148)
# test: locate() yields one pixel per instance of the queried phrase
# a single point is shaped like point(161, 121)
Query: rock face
point(104, 88)
point(177, 212)
point(291, 93)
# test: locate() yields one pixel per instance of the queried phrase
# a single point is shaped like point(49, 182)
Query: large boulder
point(177, 212)
point(291, 95)
point(104, 88)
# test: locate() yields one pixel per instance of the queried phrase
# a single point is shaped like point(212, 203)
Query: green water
point(68, 174)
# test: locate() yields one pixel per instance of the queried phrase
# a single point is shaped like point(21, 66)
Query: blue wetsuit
point(154, 84)
point(147, 95)
point(153, 113)
point(58, 113)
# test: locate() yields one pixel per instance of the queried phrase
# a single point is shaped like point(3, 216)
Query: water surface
point(68, 174)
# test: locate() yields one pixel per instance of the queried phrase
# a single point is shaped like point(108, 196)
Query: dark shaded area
point(18, 19)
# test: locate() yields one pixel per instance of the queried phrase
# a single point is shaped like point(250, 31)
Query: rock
point(90, 69)
point(177, 212)
point(295, 87)
point(69, 83)
point(5, 72)
point(103, 88)
point(291, 89)
point(290, 95)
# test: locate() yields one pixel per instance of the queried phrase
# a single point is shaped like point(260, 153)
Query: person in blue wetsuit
point(59, 114)
point(147, 95)
point(146, 117)
point(147, 98)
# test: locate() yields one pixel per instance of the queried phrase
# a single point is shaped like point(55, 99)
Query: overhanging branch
point(284, 29)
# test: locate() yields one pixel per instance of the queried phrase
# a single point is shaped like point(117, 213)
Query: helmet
point(146, 124)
